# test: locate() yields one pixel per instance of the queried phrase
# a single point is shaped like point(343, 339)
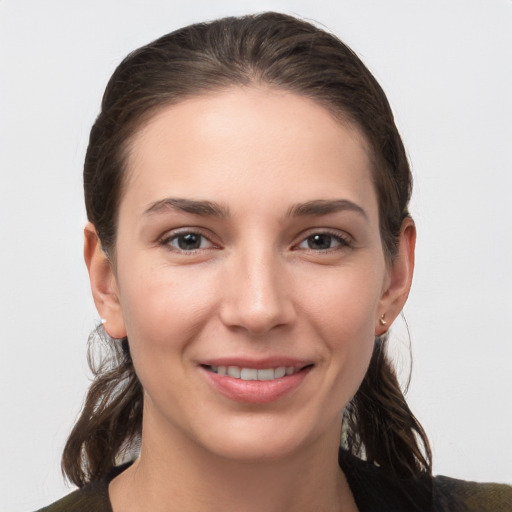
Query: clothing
point(373, 491)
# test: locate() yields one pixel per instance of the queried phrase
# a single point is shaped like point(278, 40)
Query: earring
point(382, 320)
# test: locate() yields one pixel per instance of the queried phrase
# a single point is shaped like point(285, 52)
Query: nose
point(257, 294)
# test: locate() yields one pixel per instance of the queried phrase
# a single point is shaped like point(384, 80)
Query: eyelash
point(168, 239)
point(343, 241)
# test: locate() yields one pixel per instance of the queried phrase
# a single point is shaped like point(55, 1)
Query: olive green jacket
point(373, 491)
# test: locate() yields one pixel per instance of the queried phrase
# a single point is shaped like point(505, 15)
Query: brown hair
point(283, 52)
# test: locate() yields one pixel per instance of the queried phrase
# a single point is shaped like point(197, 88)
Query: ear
point(399, 280)
point(103, 284)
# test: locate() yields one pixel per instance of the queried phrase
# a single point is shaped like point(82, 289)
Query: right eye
point(322, 242)
point(187, 241)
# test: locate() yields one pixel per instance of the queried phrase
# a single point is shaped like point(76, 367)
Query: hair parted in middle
point(266, 50)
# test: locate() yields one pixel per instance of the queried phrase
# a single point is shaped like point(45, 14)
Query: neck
point(180, 475)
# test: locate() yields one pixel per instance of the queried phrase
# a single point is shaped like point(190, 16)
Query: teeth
point(234, 371)
point(249, 374)
point(267, 374)
point(254, 373)
point(279, 372)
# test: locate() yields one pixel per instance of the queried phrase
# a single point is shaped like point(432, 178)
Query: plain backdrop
point(446, 66)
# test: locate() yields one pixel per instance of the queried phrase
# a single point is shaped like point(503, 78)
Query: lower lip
point(256, 391)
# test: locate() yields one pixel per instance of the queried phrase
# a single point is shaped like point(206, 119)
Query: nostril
point(257, 318)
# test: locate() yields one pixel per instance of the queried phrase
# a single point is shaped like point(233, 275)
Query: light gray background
point(447, 68)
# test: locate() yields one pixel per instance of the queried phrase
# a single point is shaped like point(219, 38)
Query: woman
point(249, 245)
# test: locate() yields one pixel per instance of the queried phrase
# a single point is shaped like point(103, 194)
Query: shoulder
point(92, 497)
point(375, 490)
point(450, 494)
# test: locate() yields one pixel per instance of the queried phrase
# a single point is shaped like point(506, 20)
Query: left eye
point(188, 242)
point(322, 242)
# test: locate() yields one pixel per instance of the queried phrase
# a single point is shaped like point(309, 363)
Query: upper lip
point(263, 363)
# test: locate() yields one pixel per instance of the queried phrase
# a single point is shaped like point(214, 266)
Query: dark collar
point(373, 490)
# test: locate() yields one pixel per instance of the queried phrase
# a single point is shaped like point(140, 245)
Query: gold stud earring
point(382, 320)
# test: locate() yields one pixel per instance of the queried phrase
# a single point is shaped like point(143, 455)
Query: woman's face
point(248, 247)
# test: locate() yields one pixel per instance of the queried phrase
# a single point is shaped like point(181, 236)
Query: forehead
point(250, 141)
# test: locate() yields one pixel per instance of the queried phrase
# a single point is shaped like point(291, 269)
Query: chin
point(256, 450)
point(264, 441)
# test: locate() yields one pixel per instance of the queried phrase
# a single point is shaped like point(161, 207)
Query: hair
point(273, 50)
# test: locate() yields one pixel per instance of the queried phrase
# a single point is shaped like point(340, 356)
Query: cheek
point(342, 311)
point(164, 305)
point(343, 302)
point(165, 310)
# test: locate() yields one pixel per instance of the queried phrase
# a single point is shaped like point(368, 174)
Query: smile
point(262, 374)
point(258, 383)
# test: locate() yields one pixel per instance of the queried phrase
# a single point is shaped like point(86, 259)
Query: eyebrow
point(204, 208)
point(324, 207)
point(211, 209)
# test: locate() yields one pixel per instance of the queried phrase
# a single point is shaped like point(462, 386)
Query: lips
point(256, 382)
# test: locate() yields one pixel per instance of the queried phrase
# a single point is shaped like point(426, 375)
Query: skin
point(260, 285)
